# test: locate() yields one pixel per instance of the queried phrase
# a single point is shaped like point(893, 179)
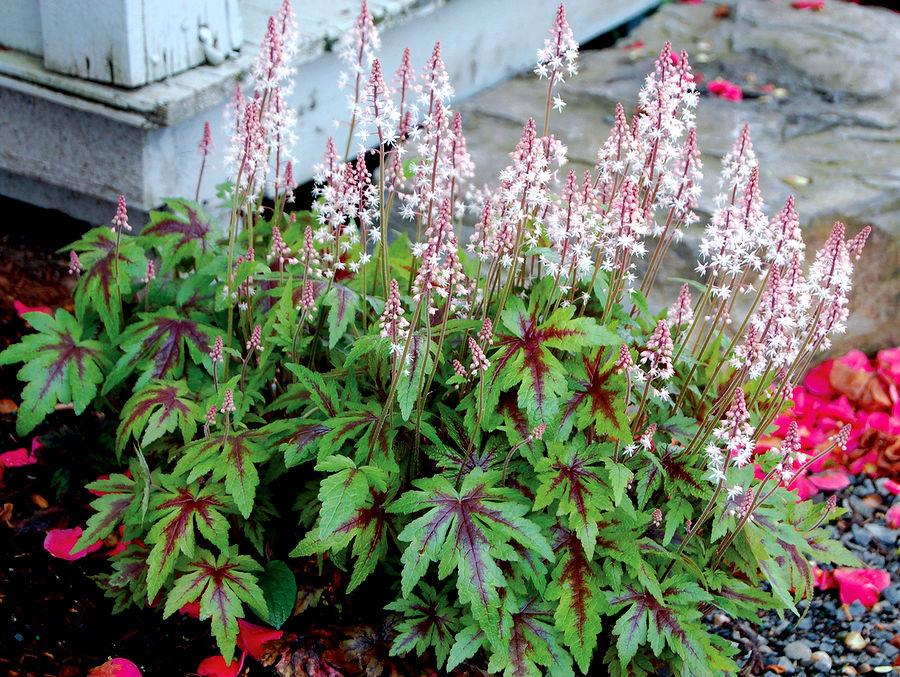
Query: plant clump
point(547, 475)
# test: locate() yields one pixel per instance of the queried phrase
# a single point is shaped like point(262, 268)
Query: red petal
point(805, 488)
point(116, 667)
point(191, 609)
point(21, 308)
point(17, 458)
point(251, 637)
point(823, 579)
point(831, 480)
point(861, 584)
point(814, 5)
point(59, 543)
point(893, 517)
point(215, 666)
point(892, 486)
point(818, 380)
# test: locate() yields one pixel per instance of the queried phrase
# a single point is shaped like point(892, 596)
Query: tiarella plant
point(489, 419)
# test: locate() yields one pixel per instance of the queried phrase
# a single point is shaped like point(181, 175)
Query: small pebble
point(883, 533)
point(821, 661)
point(861, 536)
point(849, 670)
point(798, 651)
point(787, 667)
point(855, 641)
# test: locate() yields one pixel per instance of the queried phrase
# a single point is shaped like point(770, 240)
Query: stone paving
point(821, 96)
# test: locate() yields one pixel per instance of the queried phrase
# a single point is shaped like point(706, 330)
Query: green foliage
point(509, 513)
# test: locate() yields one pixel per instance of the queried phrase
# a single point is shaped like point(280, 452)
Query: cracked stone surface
point(821, 96)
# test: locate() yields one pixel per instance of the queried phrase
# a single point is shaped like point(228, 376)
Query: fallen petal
point(893, 517)
point(892, 486)
point(191, 609)
point(59, 543)
point(251, 637)
point(17, 458)
point(116, 667)
point(215, 666)
point(21, 309)
point(830, 480)
point(864, 585)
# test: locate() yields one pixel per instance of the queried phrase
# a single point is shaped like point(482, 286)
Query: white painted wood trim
point(131, 43)
point(20, 25)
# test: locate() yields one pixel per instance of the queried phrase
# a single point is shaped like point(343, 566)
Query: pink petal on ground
point(864, 585)
point(864, 463)
point(823, 579)
point(804, 488)
point(116, 667)
point(36, 445)
point(191, 609)
point(59, 543)
point(215, 666)
point(831, 480)
point(17, 458)
point(251, 637)
point(725, 89)
point(893, 517)
point(814, 5)
point(858, 360)
point(888, 363)
point(892, 486)
point(818, 380)
point(21, 308)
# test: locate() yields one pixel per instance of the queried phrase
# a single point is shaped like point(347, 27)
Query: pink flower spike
point(59, 543)
point(864, 585)
point(120, 220)
point(206, 143)
point(892, 518)
point(830, 480)
point(215, 666)
point(116, 667)
point(252, 638)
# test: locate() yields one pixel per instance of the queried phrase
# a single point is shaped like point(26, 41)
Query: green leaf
point(179, 233)
point(345, 490)
point(60, 367)
point(232, 456)
point(429, 621)
point(529, 643)
point(598, 401)
point(177, 511)
point(467, 530)
point(120, 498)
point(280, 591)
point(571, 475)
point(619, 478)
point(156, 347)
point(105, 286)
point(155, 410)
point(524, 358)
point(576, 586)
point(343, 304)
point(223, 585)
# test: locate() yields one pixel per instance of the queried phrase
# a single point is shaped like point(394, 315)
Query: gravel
point(826, 640)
